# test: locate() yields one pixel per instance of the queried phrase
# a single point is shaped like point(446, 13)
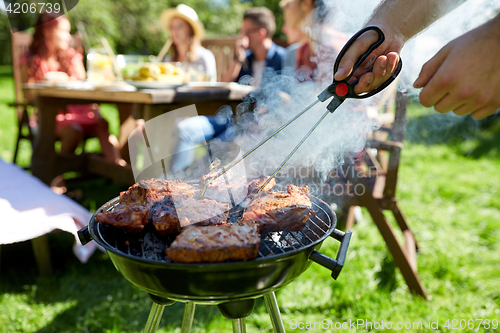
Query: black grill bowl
point(223, 282)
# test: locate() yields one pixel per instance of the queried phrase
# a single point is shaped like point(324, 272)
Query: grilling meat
point(138, 203)
point(148, 192)
point(131, 218)
point(236, 241)
point(281, 210)
point(254, 185)
point(165, 215)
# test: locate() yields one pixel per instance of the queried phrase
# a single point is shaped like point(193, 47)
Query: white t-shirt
point(204, 63)
point(258, 70)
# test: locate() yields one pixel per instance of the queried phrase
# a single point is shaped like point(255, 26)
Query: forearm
point(232, 72)
point(409, 17)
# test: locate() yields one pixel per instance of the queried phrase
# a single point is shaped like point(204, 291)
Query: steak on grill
point(137, 205)
point(235, 241)
point(165, 213)
point(129, 217)
point(281, 210)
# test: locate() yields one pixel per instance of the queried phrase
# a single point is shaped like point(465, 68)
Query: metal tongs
point(339, 90)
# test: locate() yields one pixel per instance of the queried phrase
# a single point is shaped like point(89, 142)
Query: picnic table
point(46, 163)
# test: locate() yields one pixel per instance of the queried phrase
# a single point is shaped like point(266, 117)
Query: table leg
point(44, 157)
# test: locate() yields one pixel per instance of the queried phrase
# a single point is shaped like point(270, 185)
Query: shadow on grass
point(450, 129)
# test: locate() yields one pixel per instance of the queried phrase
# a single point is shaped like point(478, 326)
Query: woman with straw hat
point(186, 31)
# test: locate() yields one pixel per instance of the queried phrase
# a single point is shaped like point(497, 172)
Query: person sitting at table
point(254, 47)
point(316, 54)
point(50, 54)
point(186, 31)
point(295, 37)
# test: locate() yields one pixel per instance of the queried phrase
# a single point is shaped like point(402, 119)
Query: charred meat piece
point(281, 210)
point(164, 217)
point(133, 210)
point(236, 241)
point(148, 192)
point(131, 217)
point(165, 214)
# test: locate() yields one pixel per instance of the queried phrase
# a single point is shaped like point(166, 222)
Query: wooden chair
point(223, 50)
point(25, 111)
point(20, 44)
point(378, 175)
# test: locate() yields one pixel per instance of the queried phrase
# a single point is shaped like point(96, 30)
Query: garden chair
point(377, 173)
point(223, 50)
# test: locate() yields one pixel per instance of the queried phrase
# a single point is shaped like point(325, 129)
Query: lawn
point(448, 189)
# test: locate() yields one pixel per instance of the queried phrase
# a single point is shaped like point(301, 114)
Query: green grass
point(448, 189)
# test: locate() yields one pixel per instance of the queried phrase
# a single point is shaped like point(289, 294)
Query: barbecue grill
point(232, 286)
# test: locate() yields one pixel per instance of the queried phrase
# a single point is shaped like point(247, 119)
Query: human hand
point(240, 46)
point(464, 76)
point(383, 61)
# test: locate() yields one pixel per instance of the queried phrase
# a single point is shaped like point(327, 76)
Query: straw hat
point(186, 13)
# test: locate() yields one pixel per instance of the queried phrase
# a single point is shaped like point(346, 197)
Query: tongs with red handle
point(344, 89)
point(339, 90)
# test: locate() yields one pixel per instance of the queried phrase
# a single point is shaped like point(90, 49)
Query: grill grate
point(149, 245)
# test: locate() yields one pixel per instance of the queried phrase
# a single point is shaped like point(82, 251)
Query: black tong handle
point(343, 89)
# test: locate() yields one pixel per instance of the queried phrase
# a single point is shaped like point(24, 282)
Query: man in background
point(254, 47)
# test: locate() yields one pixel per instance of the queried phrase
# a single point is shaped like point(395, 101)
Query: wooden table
point(46, 164)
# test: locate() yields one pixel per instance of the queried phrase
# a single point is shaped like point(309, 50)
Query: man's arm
point(232, 72)
point(399, 20)
point(241, 44)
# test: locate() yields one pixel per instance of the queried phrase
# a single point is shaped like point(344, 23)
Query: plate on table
point(154, 84)
point(79, 85)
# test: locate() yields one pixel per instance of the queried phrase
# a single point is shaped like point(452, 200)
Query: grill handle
point(334, 265)
point(84, 235)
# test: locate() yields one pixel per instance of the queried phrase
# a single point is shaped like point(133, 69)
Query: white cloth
point(29, 209)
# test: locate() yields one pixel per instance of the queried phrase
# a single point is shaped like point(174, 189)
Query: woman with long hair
point(50, 54)
point(186, 31)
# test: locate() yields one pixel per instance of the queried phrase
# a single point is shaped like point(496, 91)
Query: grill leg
point(274, 312)
point(187, 320)
point(239, 325)
point(154, 318)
